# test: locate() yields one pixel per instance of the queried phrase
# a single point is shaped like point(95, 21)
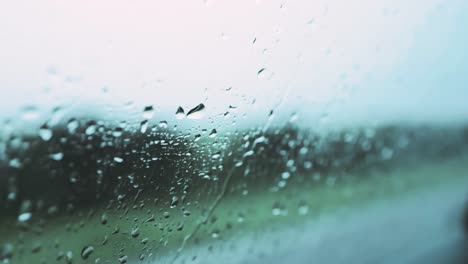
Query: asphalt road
point(422, 227)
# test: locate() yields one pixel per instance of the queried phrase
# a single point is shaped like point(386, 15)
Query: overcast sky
point(355, 61)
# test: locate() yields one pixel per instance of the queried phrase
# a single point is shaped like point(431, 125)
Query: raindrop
point(215, 233)
point(174, 201)
point(261, 73)
point(278, 209)
point(143, 126)
point(216, 155)
point(45, 133)
point(36, 247)
point(180, 226)
point(303, 208)
point(213, 133)
point(166, 214)
point(6, 252)
point(24, 217)
point(123, 259)
point(148, 112)
point(197, 112)
point(69, 257)
point(91, 129)
point(30, 112)
point(240, 218)
point(135, 232)
point(386, 153)
point(163, 124)
point(248, 154)
point(56, 156)
point(118, 131)
point(180, 113)
point(86, 252)
point(285, 175)
point(293, 118)
point(197, 137)
point(72, 125)
point(103, 219)
point(118, 159)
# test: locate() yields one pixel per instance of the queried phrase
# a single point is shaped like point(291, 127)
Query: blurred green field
point(161, 230)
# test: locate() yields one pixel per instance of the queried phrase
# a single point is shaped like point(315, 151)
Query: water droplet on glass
point(86, 252)
point(215, 233)
point(248, 154)
point(163, 124)
point(148, 112)
point(69, 257)
point(24, 217)
point(213, 133)
point(6, 252)
point(118, 131)
point(261, 73)
point(197, 112)
point(174, 201)
point(278, 209)
point(36, 247)
point(143, 126)
point(91, 129)
point(15, 163)
point(216, 155)
point(303, 208)
point(72, 125)
point(285, 175)
point(29, 112)
point(118, 159)
point(103, 219)
point(45, 133)
point(386, 153)
point(135, 232)
point(123, 259)
point(180, 113)
point(56, 156)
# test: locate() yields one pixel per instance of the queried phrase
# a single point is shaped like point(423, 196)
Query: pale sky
point(355, 61)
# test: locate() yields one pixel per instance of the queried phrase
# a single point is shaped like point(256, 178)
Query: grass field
point(149, 230)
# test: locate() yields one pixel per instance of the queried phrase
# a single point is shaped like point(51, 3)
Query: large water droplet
point(143, 126)
point(123, 259)
point(56, 156)
point(197, 112)
point(69, 257)
point(174, 201)
point(103, 219)
point(148, 112)
point(86, 252)
point(45, 133)
point(118, 159)
point(135, 232)
point(163, 124)
point(261, 73)
point(24, 217)
point(91, 129)
point(29, 112)
point(303, 208)
point(72, 125)
point(180, 113)
point(213, 133)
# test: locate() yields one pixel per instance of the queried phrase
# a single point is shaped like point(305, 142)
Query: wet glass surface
point(236, 132)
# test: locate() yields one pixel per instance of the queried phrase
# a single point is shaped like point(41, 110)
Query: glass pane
point(233, 131)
